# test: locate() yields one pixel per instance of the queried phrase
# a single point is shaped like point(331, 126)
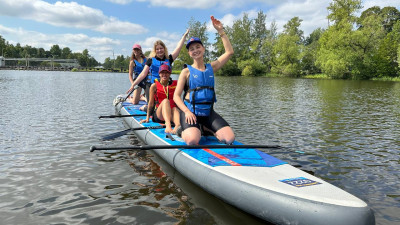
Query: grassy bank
point(387, 79)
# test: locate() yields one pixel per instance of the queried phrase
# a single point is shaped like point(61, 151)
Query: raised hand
point(217, 24)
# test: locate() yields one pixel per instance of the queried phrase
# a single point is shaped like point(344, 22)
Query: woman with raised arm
point(136, 65)
point(197, 82)
point(158, 56)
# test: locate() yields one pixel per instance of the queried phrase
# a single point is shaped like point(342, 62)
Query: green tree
point(268, 56)
point(288, 49)
point(108, 64)
point(309, 54)
point(386, 61)
point(66, 53)
point(336, 55)
point(365, 42)
point(41, 53)
point(241, 38)
point(2, 45)
point(55, 51)
point(259, 34)
point(343, 11)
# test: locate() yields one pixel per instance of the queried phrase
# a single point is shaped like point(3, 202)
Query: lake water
point(349, 131)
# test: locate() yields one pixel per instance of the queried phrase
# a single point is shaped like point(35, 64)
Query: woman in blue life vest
point(161, 94)
point(197, 81)
point(158, 56)
point(136, 65)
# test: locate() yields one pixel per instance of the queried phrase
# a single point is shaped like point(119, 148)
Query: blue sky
point(107, 26)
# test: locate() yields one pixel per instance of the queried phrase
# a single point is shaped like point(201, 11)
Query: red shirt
point(165, 92)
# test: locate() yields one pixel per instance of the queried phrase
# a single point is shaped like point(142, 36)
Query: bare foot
point(143, 108)
point(143, 98)
point(175, 129)
point(168, 130)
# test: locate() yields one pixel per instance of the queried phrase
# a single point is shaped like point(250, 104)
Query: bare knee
point(226, 135)
point(191, 136)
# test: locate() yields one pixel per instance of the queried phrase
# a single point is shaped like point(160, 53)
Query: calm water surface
point(350, 131)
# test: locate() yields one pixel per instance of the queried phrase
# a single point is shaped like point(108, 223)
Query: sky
point(108, 28)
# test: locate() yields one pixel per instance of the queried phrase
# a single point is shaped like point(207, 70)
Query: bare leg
point(135, 97)
point(176, 119)
point(164, 113)
point(226, 135)
point(191, 136)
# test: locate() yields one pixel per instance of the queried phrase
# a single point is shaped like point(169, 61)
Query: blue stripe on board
point(244, 157)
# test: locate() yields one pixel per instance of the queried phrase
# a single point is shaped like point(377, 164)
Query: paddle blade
point(115, 135)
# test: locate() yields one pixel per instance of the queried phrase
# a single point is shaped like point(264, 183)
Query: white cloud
point(381, 3)
point(97, 46)
point(228, 19)
point(120, 2)
point(68, 14)
point(312, 12)
point(207, 4)
point(170, 40)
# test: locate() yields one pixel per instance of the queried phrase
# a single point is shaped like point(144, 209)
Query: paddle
point(148, 147)
point(133, 89)
point(119, 116)
point(121, 133)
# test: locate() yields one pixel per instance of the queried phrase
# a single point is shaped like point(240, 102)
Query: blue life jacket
point(139, 67)
point(155, 65)
point(201, 91)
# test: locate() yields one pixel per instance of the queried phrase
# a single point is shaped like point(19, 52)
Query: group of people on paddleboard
point(194, 113)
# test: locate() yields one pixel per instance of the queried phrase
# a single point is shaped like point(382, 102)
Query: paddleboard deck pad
point(253, 180)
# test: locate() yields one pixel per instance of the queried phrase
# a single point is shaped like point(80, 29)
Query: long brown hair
point(133, 57)
point(153, 51)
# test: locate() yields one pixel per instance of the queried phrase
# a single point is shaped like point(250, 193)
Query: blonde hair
point(153, 51)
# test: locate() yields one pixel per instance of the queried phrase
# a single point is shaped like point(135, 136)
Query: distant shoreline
point(41, 68)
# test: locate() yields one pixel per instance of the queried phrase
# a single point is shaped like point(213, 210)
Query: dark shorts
point(142, 83)
point(213, 122)
point(158, 120)
point(155, 118)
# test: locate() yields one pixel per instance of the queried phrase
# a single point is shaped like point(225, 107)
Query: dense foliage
point(351, 47)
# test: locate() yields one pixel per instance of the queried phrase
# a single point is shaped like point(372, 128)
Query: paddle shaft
point(118, 116)
point(121, 133)
point(148, 147)
point(133, 89)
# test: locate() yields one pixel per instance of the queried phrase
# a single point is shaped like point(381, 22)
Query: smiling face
point(137, 52)
point(196, 50)
point(160, 51)
point(164, 76)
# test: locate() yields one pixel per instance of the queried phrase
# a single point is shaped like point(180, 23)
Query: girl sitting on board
point(136, 65)
point(162, 92)
point(197, 82)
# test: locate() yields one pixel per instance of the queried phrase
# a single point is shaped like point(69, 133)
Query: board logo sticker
point(300, 182)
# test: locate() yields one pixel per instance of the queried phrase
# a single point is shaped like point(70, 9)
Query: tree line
point(10, 51)
point(351, 47)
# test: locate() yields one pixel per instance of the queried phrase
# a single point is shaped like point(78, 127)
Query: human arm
point(131, 66)
point(190, 118)
point(217, 64)
point(179, 46)
point(150, 106)
point(141, 76)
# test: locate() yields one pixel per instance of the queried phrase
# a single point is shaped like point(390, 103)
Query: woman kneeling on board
point(162, 92)
point(197, 80)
